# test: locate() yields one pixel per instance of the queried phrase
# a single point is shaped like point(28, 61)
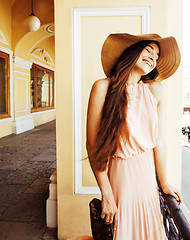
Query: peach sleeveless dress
point(131, 170)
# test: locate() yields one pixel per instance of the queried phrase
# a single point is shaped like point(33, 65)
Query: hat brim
point(115, 44)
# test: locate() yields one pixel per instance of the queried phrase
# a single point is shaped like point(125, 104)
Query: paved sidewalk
point(27, 161)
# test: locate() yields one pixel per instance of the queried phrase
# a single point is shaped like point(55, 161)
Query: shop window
point(4, 85)
point(42, 88)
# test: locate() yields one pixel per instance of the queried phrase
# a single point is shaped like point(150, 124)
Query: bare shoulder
point(101, 84)
point(158, 90)
point(100, 87)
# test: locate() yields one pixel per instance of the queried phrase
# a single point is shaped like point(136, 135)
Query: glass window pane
point(42, 88)
point(51, 89)
point(32, 89)
point(2, 86)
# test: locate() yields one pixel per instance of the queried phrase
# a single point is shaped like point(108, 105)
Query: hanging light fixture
point(32, 22)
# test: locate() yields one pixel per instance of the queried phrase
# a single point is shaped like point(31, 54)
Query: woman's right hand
point(109, 210)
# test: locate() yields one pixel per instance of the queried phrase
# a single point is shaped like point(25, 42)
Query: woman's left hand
point(168, 189)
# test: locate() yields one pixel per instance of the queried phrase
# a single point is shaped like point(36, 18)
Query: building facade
point(27, 65)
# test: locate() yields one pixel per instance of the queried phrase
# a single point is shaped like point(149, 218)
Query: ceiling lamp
point(32, 23)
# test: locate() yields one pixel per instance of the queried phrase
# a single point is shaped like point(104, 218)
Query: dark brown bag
point(100, 230)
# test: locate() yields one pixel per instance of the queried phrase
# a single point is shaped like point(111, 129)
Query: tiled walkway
point(27, 161)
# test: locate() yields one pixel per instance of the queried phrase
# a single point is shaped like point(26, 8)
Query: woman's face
point(147, 59)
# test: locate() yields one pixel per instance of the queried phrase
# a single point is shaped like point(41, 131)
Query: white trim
point(43, 65)
point(23, 124)
point(77, 13)
point(27, 106)
point(51, 63)
point(47, 36)
point(3, 38)
point(41, 112)
point(8, 119)
point(22, 63)
point(20, 72)
point(6, 50)
point(20, 42)
point(22, 54)
point(11, 85)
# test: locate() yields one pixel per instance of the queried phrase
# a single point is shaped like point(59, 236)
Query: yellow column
point(73, 213)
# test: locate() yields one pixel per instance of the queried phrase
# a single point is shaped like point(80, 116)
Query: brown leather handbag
point(100, 230)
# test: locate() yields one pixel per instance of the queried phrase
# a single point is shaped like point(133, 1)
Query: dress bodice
point(141, 125)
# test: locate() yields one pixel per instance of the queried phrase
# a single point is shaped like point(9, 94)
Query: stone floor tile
point(49, 234)
point(35, 166)
point(21, 231)
point(28, 208)
point(40, 185)
point(9, 195)
point(10, 164)
point(4, 173)
point(47, 172)
point(45, 156)
point(20, 177)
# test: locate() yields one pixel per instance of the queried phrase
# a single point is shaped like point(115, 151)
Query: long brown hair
point(113, 112)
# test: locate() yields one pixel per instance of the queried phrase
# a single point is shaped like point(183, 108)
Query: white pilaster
point(23, 124)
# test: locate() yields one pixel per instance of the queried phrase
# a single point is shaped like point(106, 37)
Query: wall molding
point(77, 14)
point(27, 89)
point(3, 38)
point(22, 63)
point(20, 72)
point(42, 65)
point(6, 50)
point(44, 56)
point(43, 112)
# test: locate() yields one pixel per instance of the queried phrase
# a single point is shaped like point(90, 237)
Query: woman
point(125, 131)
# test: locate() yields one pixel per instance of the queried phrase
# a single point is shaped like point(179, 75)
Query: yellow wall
point(43, 117)
point(5, 26)
point(5, 129)
point(72, 208)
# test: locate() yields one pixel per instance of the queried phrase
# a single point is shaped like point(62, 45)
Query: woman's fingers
point(115, 222)
point(103, 215)
point(177, 195)
point(109, 219)
point(174, 192)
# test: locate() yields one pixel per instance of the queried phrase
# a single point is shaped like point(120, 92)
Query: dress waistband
point(147, 151)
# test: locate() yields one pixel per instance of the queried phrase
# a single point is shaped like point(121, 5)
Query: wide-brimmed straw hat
point(115, 44)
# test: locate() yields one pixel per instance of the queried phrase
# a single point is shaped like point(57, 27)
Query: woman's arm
point(160, 151)
point(95, 106)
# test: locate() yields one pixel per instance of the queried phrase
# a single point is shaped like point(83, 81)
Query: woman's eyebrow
point(153, 49)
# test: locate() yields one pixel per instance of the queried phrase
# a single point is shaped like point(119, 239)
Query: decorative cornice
point(43, 55)
point(6, 50)
point(42, 64)
point(22, 63)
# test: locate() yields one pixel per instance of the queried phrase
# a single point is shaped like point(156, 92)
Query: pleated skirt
point(135, 189)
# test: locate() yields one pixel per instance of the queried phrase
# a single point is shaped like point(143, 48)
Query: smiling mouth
point(148, 63)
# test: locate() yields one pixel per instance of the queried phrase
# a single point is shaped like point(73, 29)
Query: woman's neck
point(134, 77)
